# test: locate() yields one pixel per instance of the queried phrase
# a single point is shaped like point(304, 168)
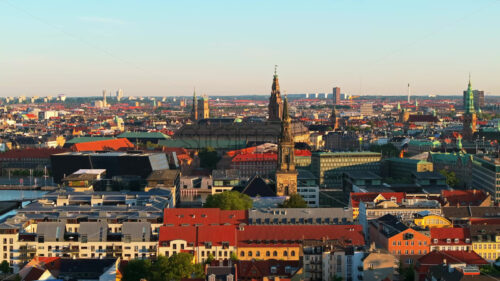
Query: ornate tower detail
point(334, 119)
point(286, 174)
point(194, 110)
point(470, 118)
point(203, 109)
point(275, 102)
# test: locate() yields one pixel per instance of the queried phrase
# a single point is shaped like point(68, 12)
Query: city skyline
point(225, 48)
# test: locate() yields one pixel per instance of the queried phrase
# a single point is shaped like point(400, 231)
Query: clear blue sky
point(166, 48)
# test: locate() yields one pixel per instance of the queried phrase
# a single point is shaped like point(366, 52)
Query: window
point(257, 253)
point(268, 254)
point(250, 253)
point(242, 253)
point(285, 253)
point(292, 253)
point(275, 253)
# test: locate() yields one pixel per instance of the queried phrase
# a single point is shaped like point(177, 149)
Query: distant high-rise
point(203, 109)
point(336, 95)
point(478, 99)
point(104, 103)
point(366, 109)
point(275, 109)
point(119, 94)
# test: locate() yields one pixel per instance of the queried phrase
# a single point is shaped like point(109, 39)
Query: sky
point(167, 48)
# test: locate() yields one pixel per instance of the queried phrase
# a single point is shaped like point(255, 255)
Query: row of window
point(267, 254)
point(408, 243)
point(300, 221)
point(409, 252)
point(488, 246)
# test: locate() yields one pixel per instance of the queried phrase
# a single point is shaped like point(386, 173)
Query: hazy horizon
point(166, 48)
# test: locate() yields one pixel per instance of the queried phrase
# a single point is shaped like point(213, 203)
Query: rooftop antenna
point(409, 93)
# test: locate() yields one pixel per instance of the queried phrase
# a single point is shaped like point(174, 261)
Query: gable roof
point(464, 197)
point(358, 197)
point(216, 234)
point(289, 235)
point(258, 187)
point(442, 234)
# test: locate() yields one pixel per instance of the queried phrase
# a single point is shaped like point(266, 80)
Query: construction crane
point(351, 99)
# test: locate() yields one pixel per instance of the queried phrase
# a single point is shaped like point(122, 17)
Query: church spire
point(275, 108)
point(194, 111)
point(469, 98)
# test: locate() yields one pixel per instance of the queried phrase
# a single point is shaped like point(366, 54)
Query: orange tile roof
point(113, 144)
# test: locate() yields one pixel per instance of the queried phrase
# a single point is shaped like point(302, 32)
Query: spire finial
point(275, 70)
point(194, 91)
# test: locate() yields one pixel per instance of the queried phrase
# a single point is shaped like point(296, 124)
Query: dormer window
point(456, 240)
point(448, 240)
point(435, 241)
point(393, 199)
point(467, 240)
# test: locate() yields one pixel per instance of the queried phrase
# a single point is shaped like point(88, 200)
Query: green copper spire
point(459, 142)
point(469, 98)
point(399, 106)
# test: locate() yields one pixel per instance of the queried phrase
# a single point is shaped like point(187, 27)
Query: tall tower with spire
point(334, 119)
point(470, 118)
point(286, 174)
point(194, 110)
point(275, 108)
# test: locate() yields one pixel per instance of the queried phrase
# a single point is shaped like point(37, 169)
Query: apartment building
point(486, 175)
point(80, 225)
point(392, 235)
point(328, 167)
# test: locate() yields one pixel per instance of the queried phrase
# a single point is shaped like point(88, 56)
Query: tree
point(233, 256)
point(175, 267)
point(5, 267)
point(137, 270)
point(335, 278)
point(294, 201)
point(208, 158)
point(229, 200)
point(451, 177)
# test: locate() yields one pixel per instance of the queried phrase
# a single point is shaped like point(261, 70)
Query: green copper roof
point(87, 139)
point(143, 135)
point(202, 143)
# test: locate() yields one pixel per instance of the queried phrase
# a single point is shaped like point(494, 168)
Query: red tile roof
point(464, 197)
point(199, 234)
point(113, 144)
point(287, 235)
point(357, 197)
point(203, 216)
point(255, 157)
point(451, 257)
point(450, 233)
point(485, 221)
point(31, 153)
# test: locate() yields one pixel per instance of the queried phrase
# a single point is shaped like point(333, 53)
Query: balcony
point(27, 249)
point(70, 250)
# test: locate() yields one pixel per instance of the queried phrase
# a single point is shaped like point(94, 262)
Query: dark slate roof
point(257, 186)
